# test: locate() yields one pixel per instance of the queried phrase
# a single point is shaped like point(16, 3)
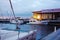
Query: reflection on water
point(42, 31)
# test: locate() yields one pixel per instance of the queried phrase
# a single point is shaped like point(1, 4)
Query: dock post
point(55, 29)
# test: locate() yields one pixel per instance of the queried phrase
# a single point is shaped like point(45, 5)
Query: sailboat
point(16, 35)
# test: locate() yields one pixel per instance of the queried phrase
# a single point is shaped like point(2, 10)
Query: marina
point(41, 25)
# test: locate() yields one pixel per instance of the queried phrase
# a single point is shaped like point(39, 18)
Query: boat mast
point(12, 9)
point(17, 24)
point(13, 12)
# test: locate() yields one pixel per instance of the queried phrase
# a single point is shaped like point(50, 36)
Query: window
point(46, 16)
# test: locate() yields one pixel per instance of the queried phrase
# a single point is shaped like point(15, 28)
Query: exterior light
point(38, 17)
point(34, 16)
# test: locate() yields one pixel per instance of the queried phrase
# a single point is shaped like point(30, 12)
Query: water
point(42, 31)
point(23, 28)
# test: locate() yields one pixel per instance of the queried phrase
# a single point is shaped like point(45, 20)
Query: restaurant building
point(50, 14)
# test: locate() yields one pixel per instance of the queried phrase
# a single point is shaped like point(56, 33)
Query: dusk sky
point(26, 7)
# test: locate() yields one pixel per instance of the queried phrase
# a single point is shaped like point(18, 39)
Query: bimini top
point(48, 11)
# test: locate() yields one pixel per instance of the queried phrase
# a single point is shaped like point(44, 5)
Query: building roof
point(48, 11)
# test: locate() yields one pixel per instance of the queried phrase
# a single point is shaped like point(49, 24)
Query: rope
point(1, 16)
point(1, 13)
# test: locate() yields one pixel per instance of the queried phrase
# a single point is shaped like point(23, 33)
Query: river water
point(42, 31)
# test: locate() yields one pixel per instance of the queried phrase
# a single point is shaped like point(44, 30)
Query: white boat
point(33, 21)
point(13, 35)
point(14, 22)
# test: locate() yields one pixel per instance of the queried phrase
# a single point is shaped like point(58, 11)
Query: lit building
point(49, 21)
point(47, 14)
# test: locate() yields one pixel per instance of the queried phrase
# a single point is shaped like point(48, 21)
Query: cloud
point(14, 1)
point(25, 6)
point(36, 3)
point(49, 4)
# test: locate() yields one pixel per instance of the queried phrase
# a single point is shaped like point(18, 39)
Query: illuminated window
point(38, 16)
point(46, 16)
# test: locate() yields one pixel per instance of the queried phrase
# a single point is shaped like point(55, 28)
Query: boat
point(33, 21)
point(18, 21)
point(13, 35)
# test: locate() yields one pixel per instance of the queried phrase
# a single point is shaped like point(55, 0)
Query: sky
point(24, 8)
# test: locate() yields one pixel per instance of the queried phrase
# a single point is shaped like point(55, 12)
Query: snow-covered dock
point(13, 35)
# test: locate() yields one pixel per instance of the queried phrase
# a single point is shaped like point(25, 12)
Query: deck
point(13, 35)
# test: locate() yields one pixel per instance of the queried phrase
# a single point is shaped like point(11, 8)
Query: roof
point(48, 11)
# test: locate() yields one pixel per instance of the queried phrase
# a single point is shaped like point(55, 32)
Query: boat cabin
point(48, 14)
